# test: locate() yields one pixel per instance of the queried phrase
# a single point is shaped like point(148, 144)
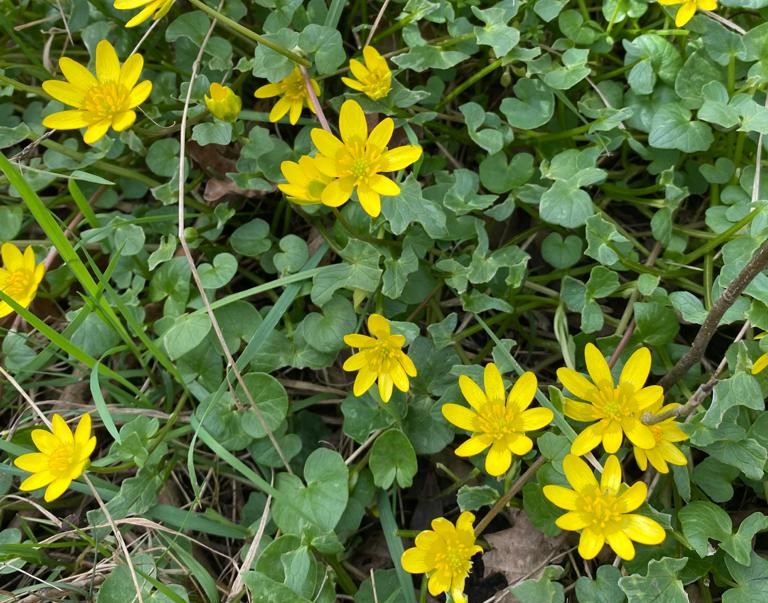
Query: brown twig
point(708, 328)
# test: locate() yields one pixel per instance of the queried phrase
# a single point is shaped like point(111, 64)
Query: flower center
point(658, 432)
point(616, 402)
point(359, 167)
point(496, 420)
point(377, 85)
point(601, 508)
point(60, 460)
point(106, 99)
point(455, 560)
point(18, 284)
point(295, 89)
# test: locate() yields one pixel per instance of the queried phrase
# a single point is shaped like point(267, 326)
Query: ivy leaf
point(533, 107)
point(702, 520)
point(752, 580)
point(604, 589)
point(672, 128)
point(659, 585)
point(392, 458)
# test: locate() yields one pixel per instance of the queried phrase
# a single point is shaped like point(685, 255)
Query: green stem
point(469, 82)
point(251, 35)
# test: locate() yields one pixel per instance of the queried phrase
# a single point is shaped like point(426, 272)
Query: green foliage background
point(591, 173)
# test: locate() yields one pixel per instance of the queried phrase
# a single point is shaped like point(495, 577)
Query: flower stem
point(507, 496)
point(251, 35)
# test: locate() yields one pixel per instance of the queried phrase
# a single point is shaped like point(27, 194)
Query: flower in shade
point(19, 276)
point(156, 9)
point(688, 9)
point(101, 101)
point(223, 103)
point(444, 554)
point(62, 456)
point(305, 182)
point(617, 408)
point(293, 94)
point(355, 161)
point(603, 512)
point(497, 420)
point(665, 434)
point(374, 78)
point(381, 358)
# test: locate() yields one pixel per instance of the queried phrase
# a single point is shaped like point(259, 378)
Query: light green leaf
point(187, 332)
point(271, 402)
point(392, 458)
point(660, 584)
point(700, 521)
point(672, 128)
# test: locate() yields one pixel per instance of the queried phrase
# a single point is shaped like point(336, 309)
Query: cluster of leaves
point(590, 174)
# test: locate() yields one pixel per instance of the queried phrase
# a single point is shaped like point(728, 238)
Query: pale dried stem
point(314, 100)
point(729, 24)
point(352, 457)
point(376, 22)
point(231, 364)
point(26, 396)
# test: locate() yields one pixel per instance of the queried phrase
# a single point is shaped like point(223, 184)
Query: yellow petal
point(611, 478)
point(519, 444)
point(141, 16)
point(360, 71)
point(34, 462)
point(461, 417)
point(354, 84)
point(383, 185)
point(612, 435)
point(474, 445)
point(61, 430)
point(370, 200)
point(352, 124)
point(637, 432)
point(414, 561)
point(356, 362)
point(326, 142)
point(76, 74)
point(295, 112)
point(56, 488)
point(385, 386)
point(648, 397)
point(572, 521)
point(123, 120)
point(83, 430)
point(107, 63)
point(493, 383)
point(439, 582)
point(381, 134)
point(632, 498)
point(13, 260)
point(579, 411)
point(139, 94)
point(363, 382)
point(707, 4)
point(373, 58)
point(399, 158)
point(96, 132)
point(64, 92)
point(66, 120)
point(587, 440)
point(37, 480)
point(399, 378)
point(87, 449)
point(578, 473)
point(45, 441)
point(472, 392)
point(621, 545)
point(597, 367)
point(407, 364)
point(565, 498)
point(641, 458)
point(685, 13)
point(131, 70)
point(643, 529)
point(576, 383)
point(337, 192)
point(637, 368)
point(357, 340)
point(498, 460)
point(535, 418)
point(522, 393)
point(590, 544)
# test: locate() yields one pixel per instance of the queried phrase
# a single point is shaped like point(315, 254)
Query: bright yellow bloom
point(102, 101)
point(293, 96)
point(223, 103)
point(19, 276)
point(603, 513)
point(445, 554)
point(381, 358)
point(306, 183)
point(665, 433)
point(354, 162)
point(160, 8)
point(760, 364)
point(495, 422)
point(374, 78)
point(616, 408)
point(688, 9)
point(62, 457)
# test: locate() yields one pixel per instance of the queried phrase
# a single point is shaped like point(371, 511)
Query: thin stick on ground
point(35, 408)
point(231, 364)
point(376, 22)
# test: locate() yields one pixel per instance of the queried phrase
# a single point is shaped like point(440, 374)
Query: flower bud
point(223, 103)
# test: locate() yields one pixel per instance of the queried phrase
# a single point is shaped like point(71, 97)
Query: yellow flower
point(19, 276)
point(445, 554)
point(374, 79)
point(102, 101)
point(688, 9)
point(306, 183)
point(380, 358)
point(603, 513)
point(222, 102)
point(354, 162)
point(293, 96)
point(496, 423)
point(663, 450)
point(62, 457)
point(760, 364)
point(160, 8)
point(616, 408)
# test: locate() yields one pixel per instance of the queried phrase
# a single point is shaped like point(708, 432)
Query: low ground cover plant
point(423, 300)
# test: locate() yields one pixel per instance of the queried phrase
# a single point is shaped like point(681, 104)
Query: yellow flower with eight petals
point(102, 101)
point(223, 103)
point(603, 512)
point(293, 96)
point(444, 554)
point(688, 9)
point(665, 433)
point(355, 161)
point(616, 408)
point(160, 8)
point(62, 456)
point(374, 78)
point(19, 276)
point(496, 423)
point(306, 183)
point(380, 358)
